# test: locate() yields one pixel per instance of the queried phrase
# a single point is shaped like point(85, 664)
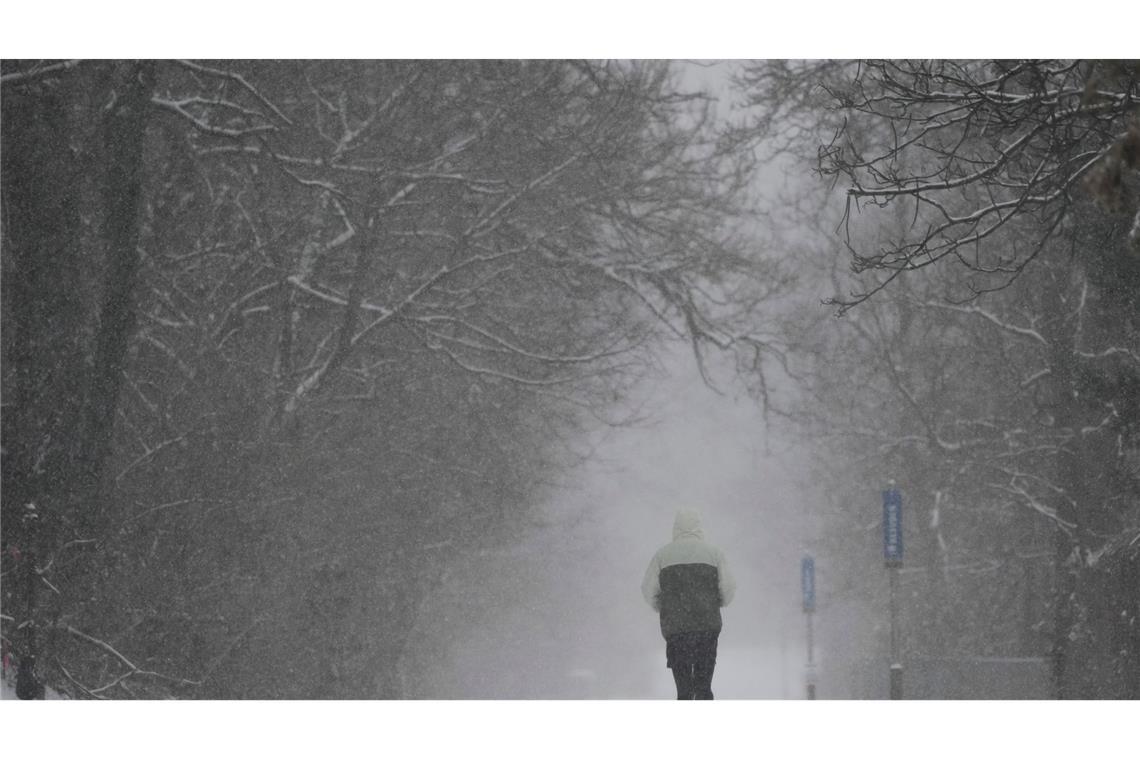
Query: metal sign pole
point(807, 583)
point(893, 556)
point(785, 690)
point(810, 660)
point(896, 665)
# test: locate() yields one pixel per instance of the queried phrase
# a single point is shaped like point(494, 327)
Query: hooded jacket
point(687, 581)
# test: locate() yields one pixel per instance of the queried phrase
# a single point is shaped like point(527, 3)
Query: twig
point(135, 670)
point(74, 681)
point(103, 645)
point(149, 453)
point(235, 77)
point(32, 73)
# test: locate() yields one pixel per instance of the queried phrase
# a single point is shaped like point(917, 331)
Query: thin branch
point(19, 77)
point(241, 81)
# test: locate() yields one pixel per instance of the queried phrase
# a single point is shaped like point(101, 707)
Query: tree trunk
point(124, 131)
point(57, 436)
point(44, 338)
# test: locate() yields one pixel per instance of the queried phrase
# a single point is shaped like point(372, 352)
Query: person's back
point(687, 582)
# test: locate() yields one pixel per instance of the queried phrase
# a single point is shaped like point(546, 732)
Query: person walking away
point(687, 582)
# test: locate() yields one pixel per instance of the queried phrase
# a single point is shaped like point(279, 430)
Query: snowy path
point(561, 616)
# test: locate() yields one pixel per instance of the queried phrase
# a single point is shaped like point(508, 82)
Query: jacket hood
point(687, 525)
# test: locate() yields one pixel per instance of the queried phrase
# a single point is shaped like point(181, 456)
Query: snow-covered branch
point(134, 670)
point(502, 374)
point(502, 345)
point(38, 71)
point(977, 311)
point(240, 80)
point(334, 298)
point(179, 108)
point(150, 452)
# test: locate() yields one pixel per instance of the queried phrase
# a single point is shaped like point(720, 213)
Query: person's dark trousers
point(692, 657)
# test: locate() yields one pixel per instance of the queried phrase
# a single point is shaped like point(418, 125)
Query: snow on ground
point(742, 672)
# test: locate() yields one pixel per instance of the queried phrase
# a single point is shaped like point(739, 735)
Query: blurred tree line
point(282, 339)
point(988, 354)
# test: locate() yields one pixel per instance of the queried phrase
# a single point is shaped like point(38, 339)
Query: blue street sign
point(807, 582)
point(892, 528)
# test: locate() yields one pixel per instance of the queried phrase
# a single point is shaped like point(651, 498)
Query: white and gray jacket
point(687, 580)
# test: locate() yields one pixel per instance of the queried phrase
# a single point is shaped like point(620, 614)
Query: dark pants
point(692, 656)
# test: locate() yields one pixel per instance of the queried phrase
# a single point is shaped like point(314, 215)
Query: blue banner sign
point(892, 528)
point(807, 581)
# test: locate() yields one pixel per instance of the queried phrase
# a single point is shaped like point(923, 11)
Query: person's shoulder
point(716, 550)
point(693, 548)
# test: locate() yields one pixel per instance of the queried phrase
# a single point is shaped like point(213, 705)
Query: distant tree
point(968, 147)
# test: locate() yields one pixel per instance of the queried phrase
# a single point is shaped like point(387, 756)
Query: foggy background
point(562, 616)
